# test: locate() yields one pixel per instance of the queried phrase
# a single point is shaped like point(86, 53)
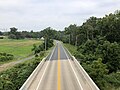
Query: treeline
point(98, 48)
point(6, 57)
point(15, 34)
point(48, 35)
point(1, 33)
point(108, 27)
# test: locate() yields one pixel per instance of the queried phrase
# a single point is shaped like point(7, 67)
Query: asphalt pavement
point(59, 73)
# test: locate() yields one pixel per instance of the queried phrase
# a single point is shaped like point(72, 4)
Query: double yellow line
point(59, 72)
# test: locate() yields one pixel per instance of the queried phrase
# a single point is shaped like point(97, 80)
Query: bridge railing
point(27, 83)
point(30, 79)
point(86, 76)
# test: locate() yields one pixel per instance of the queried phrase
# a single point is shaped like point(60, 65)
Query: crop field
point(19, 48)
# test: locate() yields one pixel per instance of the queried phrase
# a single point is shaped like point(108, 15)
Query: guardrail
point(28, 82)
point(86, 76)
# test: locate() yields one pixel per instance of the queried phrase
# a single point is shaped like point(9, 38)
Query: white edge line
point(84, 72)
point(73, 70)
point(34, 72)
point(44, 71)
point(31, 75)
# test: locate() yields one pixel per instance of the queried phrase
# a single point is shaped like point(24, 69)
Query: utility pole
point(45, 40)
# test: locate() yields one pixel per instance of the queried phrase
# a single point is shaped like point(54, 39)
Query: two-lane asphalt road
point(59, 73)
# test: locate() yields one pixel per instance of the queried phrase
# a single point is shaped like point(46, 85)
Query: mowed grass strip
point(71, 48)
point(19, 48)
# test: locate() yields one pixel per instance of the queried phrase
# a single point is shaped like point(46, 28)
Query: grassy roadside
point(71, 48)
point(13, 78)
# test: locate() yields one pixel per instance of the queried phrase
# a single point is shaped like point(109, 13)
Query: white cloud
point(39, 14)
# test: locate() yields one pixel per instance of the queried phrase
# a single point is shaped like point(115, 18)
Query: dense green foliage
point(13, 79)
point(5, 57)
point(108, 27)
point(48, 35)
point(38, 49)
point(109, 52)
point(98, 48)
point(13, 34)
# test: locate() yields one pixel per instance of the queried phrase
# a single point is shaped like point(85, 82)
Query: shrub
point(6, 57)
point(13, 79)
point(1, 37)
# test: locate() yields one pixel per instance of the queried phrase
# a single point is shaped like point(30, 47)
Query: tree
point(13, 30)
point(72, 32)
point(36, 50)
point(110, 27)
point(1, 33)
point(13, 34)
point(111, 55)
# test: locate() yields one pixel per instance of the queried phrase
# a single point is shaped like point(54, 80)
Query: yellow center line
point(59, 83)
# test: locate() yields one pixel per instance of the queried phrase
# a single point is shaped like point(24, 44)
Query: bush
point(41, 47)
point(6, 57)
point(104, 71)
point(13, 79)
point(97, 70)
point(1, 37)
point(113, 79)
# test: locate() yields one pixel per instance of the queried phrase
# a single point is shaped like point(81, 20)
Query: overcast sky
point(39, 14)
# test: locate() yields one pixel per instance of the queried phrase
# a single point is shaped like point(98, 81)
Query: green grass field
point(19, 48)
